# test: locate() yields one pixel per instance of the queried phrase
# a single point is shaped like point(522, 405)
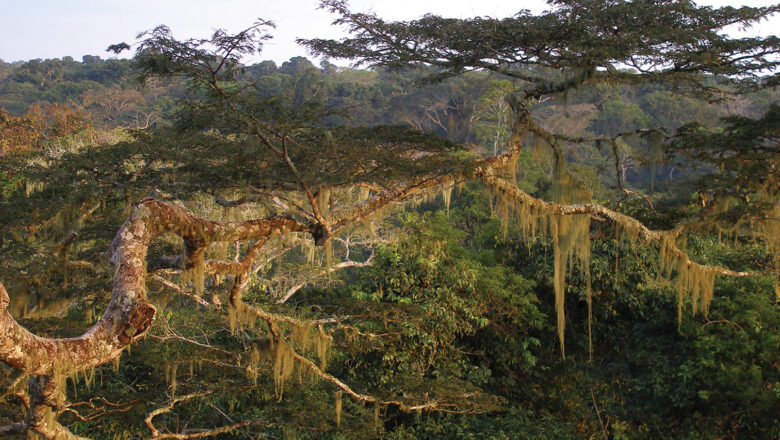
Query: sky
point(44, 29)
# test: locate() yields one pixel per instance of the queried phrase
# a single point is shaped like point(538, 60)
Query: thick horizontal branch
point(626, 222)
point(129, 314)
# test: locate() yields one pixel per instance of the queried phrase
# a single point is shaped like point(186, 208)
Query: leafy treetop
point(585, 40)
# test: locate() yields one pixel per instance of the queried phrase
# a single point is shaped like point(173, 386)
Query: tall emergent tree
point(280, 173)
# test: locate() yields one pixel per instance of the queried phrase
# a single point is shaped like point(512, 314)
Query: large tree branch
point(628, 223)
point(129, 314)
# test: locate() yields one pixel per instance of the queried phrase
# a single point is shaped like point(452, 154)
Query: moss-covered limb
point(273, 321)
point(156, 434)
point(352, 330)
point(16, 390)
point(407, 406)
point(403, 192)
point(225, 203)
point(420, 186)
point(190, 227)
point(69, 219)
point(46, 397)
point(607, 139)
point(569, 231)
point(128, 315)
point(547, 137)
point(627, 223)
point(286, 357)
point(224, 267)
point(81, 265)
point(210, 266)
point(259, 195)
point(63, 249)
point(203, 433)
point(436, 182)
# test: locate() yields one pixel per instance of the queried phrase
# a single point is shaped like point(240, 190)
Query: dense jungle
point(553, 226)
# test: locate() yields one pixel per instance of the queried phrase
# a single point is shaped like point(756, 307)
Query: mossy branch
point(129, 314)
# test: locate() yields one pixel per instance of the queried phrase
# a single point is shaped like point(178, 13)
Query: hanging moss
point(89, 377)
point(535, 146)
point(769, 230)
point(281, 352)
point(253, 367)
point(376, 416)
point(31, 187)
point(693, 279)
point(64, 222)
point(323, 344)
point(194, 270)
point(504, 212)
point(571, 244)
point(289, 433)
point(283, 365)
point(324, 200)
point(337, 395)
point(328, 257)
point(364, 193)
point(218, 250)
point(446, 195)
point(240, 316)
point(170, 377)
point(308, 249)
point(115, 362)
point(570, 235)
point(300, 336)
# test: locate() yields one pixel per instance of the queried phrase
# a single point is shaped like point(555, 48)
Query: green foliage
point(516, 423)
point(571, 37)
point(740, 163)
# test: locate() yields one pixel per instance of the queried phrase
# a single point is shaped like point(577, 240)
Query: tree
point(112, 103)
point(41, 73)
point(39, 125)
point(266, 67)
point(494, 113)
point(296, 65)
point(233, 146)
point(574, 44)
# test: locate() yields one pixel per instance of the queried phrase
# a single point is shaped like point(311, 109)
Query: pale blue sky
point(56, 28)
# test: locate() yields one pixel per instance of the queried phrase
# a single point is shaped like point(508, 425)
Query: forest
point(562, 225)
